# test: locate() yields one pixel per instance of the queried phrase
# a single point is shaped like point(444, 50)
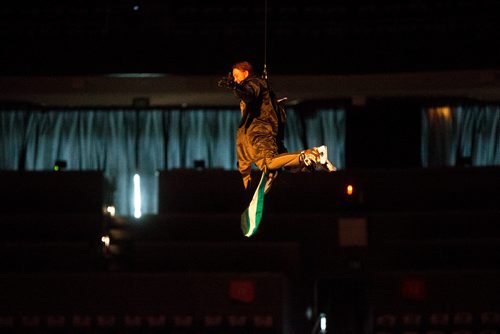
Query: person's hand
point(227, 81)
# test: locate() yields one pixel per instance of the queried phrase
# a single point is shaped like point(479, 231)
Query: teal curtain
point(461, 135)
point(122, 143)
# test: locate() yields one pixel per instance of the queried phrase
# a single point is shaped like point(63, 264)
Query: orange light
point(349, 190)
point(444, 112)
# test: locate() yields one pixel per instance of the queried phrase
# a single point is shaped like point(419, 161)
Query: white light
point(309, 313)
point(111, 210)
point(135, 8)
point(105, 240)
point(322, 323)
point(137, 196)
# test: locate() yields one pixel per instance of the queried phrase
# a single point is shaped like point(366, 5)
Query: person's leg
point(244, 154)
point(307, 160)
point(284, 160)
point(266, 155)
point(246, 175)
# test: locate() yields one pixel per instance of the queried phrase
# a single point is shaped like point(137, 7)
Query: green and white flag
point(250, 218)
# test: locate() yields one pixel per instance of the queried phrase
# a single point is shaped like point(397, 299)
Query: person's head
point(242, 70)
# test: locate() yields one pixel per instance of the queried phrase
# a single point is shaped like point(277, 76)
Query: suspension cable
point(265, 40)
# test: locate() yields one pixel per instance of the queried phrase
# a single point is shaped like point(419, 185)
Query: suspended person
point(259, 138)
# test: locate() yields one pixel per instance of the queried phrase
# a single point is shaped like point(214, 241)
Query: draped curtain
point(122, 143)
point(462, 135)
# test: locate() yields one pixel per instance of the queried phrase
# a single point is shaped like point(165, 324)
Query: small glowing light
point(309, 312)
point(349, 189)
point(443, 112)
point(322, 323)
point(59, 165)
point(111, 210)
point(105, 240)
point(137, 196)
point(136, 8)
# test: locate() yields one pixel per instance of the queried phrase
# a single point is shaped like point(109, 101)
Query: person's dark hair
point(244, 66)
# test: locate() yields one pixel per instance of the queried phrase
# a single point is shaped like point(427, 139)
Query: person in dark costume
point(259, 137)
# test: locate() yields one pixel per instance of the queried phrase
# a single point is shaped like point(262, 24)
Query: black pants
point(258, 145)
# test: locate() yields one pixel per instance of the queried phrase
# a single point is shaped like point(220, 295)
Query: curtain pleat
point(326, 128)
point(12, 134)
point(294, 132)
point(151, 156)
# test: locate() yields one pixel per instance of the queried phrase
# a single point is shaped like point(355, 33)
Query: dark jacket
point(258, 108)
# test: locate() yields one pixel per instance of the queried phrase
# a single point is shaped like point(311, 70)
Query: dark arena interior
point(120, 197)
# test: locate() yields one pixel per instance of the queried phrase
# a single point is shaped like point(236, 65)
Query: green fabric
point(250, 218)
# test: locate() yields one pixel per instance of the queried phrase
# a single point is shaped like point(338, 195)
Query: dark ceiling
point(205, 37)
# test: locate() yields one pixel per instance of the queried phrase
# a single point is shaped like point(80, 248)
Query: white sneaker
point(323, 159)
